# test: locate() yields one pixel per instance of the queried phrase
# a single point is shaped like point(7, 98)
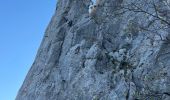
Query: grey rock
point(117, 51)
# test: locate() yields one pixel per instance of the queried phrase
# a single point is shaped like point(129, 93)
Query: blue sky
point(22, 25)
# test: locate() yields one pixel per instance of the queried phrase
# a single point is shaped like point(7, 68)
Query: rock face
point(118, 51)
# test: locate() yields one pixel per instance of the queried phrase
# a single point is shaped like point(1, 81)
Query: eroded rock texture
point(120, 51)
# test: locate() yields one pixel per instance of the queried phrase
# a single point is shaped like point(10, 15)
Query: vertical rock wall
point(118, 52)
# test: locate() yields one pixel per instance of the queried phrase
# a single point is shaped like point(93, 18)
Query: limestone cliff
point(120, 51)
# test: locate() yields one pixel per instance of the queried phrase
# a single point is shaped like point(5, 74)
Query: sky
point(22, 26)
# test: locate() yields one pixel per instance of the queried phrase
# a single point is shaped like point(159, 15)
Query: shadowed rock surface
point(120, 51)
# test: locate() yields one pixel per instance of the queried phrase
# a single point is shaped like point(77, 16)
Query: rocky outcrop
point(120, 51)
